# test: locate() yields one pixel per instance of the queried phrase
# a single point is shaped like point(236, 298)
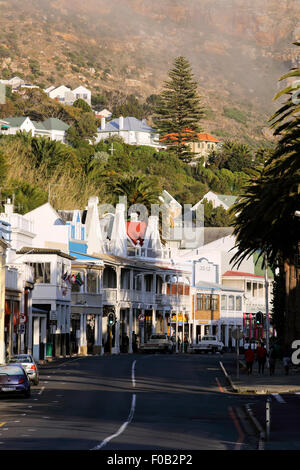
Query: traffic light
point(259, 318)
point(111, 319)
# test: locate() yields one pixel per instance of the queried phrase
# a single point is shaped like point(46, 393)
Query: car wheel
point(27, 394)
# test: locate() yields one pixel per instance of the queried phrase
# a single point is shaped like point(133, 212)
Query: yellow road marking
point(2, 424)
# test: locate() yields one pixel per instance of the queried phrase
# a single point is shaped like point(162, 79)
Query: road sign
point(22, 318)
point(237, 333)
point(22, 329)
point(141, 317)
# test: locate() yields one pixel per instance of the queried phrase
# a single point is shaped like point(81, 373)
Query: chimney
point(121, 123)
point(8, 207)
point(102, 123)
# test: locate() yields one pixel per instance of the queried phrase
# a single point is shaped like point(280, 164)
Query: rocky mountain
point(237, 48)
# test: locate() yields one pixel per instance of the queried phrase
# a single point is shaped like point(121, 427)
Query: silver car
point(28, 364)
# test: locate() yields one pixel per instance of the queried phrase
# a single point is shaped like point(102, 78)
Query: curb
point(234, 389)
point(258, 427)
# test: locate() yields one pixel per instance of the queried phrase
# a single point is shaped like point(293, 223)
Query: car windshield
point(24, 359)
point(11, 370)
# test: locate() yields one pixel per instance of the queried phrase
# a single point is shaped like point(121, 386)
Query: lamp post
point(267, 304)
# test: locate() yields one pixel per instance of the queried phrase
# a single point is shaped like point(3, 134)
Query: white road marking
point(278, 397)
point(129, 419)
point(122, 428)
point(133, 373)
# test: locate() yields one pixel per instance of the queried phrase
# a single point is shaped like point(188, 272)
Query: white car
point(28, 364)
point(207, 343)
point(158, 343)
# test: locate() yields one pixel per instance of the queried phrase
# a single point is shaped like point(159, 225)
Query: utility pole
point(267, 304)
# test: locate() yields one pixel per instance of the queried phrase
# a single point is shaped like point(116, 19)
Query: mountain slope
point(238, 49)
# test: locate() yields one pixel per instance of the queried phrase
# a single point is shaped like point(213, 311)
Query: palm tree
point(139, 189)
point(265, 212)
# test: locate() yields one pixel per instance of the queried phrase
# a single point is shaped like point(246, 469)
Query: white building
point(131, 130)
point(83, 93)
point(52, 128)
point(65, 95)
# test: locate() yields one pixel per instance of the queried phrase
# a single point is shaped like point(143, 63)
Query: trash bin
point(49, 350)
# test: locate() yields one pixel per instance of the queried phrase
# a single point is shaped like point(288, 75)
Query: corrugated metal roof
point(130, 124)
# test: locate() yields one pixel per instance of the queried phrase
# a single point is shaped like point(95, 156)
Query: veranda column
point(83, 342)
point(130, 329)
point(164, 321)
point(153, 320)
point(100, 332)
point(44, 335)
point(117, 330)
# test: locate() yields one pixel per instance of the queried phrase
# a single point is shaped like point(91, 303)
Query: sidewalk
point(261, 383)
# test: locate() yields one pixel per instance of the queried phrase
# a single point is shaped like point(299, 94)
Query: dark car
point(13, 379)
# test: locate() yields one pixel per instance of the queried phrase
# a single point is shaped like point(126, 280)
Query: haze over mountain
point(237, 48)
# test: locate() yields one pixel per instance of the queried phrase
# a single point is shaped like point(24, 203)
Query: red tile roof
point(188, 135)
point(237, 273)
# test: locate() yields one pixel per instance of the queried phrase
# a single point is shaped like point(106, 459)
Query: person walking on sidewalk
point(261, 354)
point(249, 358)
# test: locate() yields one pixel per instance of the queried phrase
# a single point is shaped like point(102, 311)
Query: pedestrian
point(261, 354)
point(286, 359)
point(249, 358)
point(134, 342)
point(272, 359)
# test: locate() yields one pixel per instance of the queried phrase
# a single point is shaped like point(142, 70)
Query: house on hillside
point(53, 128)
point(201, 147)
point(65, 95)
point(131, 129)
point(83, 93)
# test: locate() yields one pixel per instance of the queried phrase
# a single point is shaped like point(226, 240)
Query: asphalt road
point(128, 402)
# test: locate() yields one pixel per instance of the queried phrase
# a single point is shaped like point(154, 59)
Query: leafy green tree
point(84, 129)
point(233, 156)
point(178, 112)
point(83, 105)
point(216, 217)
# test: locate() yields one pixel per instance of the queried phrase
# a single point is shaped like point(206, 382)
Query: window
point(41, 272)
point(249, 289)
point(224, 302)
point(231, 302)
point(199, 302)
point(238, 303)
point(214, 302)
point(255, 290)
point(91, 282)
point(207, 302)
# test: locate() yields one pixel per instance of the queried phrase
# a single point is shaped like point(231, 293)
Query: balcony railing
point(89, 300)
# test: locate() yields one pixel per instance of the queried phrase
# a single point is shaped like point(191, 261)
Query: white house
point(53, 128)
point(14, 82)
point(65, 95)
point(59, 93)
point(83, 93)
point(51, 231)
point(18, 124)
point(132, 130)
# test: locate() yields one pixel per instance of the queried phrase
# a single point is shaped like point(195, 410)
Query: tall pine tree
point(178, 112)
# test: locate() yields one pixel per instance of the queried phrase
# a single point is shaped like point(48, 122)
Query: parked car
point(13, 379)
point(29, 365)
point(158, 343)
point(206, 344)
